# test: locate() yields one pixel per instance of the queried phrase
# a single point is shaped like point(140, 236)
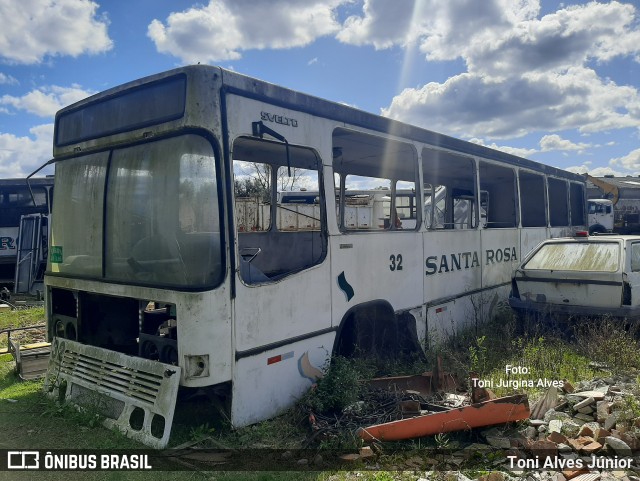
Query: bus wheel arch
point(373, 329)
point(597, 229)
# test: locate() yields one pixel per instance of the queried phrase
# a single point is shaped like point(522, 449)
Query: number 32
point(396, 262)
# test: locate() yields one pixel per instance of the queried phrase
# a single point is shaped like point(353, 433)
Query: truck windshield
point(576, 256)
point(146, 214)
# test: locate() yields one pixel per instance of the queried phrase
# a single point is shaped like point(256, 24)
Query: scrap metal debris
point(404, 407)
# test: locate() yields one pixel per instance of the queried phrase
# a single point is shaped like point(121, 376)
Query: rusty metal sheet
point(424, 384)
point(496, 411)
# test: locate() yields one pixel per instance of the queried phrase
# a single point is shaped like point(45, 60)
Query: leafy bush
point(340, 387)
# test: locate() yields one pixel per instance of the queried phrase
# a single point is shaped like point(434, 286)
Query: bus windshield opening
point(161, 224)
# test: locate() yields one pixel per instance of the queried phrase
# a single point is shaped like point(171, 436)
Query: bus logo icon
point(23, 460)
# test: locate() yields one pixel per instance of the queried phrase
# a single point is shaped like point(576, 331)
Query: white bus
point(153, 284)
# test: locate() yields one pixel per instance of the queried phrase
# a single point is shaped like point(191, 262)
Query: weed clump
point(339, 388)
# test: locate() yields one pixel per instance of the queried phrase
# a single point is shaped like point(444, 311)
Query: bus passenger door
point(282, 307)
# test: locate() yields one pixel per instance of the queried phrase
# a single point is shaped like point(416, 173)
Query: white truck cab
point(600, 213)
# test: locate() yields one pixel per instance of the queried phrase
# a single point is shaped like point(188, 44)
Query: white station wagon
point(580, 276)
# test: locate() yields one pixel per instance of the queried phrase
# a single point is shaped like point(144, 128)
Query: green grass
point(35, 421)
point(22, 318)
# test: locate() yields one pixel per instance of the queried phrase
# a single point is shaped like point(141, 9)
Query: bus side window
point(558, 202)
point(500, 184)
point(533, 209)
point(375, 182)
point(449, 185)
point(279, 209)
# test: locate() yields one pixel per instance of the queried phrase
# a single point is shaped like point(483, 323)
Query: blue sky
point(556, 82)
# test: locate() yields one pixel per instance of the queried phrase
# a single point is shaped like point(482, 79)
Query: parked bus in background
point(153, 272)
point(22, 206)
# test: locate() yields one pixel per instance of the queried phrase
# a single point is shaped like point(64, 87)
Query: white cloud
point(8, 79)
point(33, 29)
point(45, 101)
point(469, 104)
point(222, 29)
point(597, 172)
point(520, 152)
point(555, 142)
point(525, 72)
point(19, 156)
point(631, 161)
point(383, 24)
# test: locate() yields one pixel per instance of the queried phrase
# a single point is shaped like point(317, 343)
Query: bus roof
point(236, 83)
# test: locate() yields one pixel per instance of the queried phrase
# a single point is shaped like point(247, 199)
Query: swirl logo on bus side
point(468, 260)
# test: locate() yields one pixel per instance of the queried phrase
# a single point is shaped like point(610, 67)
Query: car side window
point(635, 257)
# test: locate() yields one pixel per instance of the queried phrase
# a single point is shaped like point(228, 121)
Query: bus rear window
point(576, 256)
point(149, 104)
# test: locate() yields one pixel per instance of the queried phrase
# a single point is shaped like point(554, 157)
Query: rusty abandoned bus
point(154, 281)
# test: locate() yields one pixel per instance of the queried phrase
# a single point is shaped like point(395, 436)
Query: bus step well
point(135, 395)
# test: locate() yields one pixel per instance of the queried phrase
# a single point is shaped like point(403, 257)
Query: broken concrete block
point(596, 395)
point(578, 443)
point(602, 435)
point(555, 426)
point(570, 428)
point(611, 420)
point(557, 437)
point(603, 410)
point(543, 448)
point(584, 403)
point(619, 446)
point(584, 417)
point(591, 448)
point(552, 414)
point(591, 429)
point(586, 410)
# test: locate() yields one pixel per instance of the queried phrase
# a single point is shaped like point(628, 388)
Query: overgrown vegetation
point(591, 349)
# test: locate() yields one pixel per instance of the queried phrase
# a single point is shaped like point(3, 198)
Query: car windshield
point(576, 256)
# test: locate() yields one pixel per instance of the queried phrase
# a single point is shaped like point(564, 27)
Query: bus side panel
point(452, 266)
point(266, 384)
point(500, 255)
point(297, 305)
point(373, 266)
point(531, 237)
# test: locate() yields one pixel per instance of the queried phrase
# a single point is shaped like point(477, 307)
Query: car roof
point(596, 238)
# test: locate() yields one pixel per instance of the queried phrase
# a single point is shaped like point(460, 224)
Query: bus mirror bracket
point(48, 162)
point(259, 129)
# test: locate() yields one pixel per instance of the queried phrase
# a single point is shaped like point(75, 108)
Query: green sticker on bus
point(55, 254)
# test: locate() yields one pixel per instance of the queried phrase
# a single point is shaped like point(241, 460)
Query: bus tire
point(596, 229)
